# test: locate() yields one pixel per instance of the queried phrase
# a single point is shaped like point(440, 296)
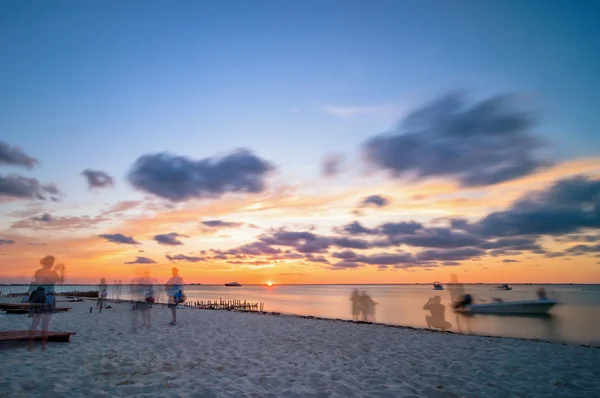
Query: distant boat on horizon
point(233, 284)
point(438, 286)
point(503, 286)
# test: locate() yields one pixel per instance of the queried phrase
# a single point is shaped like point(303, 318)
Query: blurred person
point(42, 299)
point(102, 294)
point(356, 307)
point(143, 294)
point(437, 319)
point(367, 307)
point(174, 289)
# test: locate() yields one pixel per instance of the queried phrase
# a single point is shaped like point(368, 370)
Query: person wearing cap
point(44, 281)
point(173, 286)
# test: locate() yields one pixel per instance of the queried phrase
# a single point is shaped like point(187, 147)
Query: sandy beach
point(229, 354)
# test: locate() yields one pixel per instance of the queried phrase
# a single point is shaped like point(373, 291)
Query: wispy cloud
point(357, 110)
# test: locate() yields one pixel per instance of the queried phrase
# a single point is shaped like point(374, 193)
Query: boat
point(503, 286)
point(232, 284)
point(524, 307)
point(437, 286)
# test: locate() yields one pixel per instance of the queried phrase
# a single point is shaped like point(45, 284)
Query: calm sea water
point(575, 320)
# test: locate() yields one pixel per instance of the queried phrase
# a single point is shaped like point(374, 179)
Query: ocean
point(575, 320)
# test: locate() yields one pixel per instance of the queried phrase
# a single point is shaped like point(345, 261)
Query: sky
point(301, 142)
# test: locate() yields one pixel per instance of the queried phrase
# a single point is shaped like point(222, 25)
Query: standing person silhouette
point(102, 293)
point(174, 288)
point(42, 298)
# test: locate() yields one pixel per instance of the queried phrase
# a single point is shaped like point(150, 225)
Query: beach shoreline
point(220, 353)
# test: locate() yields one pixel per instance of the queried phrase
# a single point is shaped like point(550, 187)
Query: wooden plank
point(11, 335)
point(21, 311)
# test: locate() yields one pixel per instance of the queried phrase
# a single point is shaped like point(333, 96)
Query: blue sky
point(86, 85)
point(96, 85)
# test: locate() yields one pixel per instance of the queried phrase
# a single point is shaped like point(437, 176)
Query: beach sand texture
point(228, 354)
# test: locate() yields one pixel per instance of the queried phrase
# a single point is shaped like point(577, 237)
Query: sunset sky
point(301, 142)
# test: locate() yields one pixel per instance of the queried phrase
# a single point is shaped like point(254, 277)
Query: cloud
point(332, 165)
point(169, 239)
point(254, 249)
point(482, 144)
point(510, 260)
point(567, 206)
point(221, 224)
point(400, 228)
point(98, 179)
point(316, 259)
point(579, 250)
point(6, 242)
point(374, 200)
point(179, 178)
point(354, 228)
point(438, 238)
point(183, 257)
point(141, 260)
point(459, 254)
point(43, 218)
point(119, 238)
point(14, 156)
point(47, 221)
point(25, 188)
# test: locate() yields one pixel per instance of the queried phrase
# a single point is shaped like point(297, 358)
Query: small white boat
point(437, 286)
point(525, 307)
point(503, 286)
point(230, 284)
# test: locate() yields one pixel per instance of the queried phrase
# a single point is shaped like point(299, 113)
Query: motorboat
point(503, 286)
point(232, 284)
point(524, 307)
point(437, 286)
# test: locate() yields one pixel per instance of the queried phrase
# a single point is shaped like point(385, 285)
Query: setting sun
point(269, 283)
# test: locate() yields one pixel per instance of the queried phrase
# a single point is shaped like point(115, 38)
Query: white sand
point(227, 354)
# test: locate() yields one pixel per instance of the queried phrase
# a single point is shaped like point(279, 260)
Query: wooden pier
point(227, 305)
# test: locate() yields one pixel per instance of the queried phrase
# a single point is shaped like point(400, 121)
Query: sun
point(269, 283)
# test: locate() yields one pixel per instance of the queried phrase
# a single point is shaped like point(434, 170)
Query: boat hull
point(530, 307)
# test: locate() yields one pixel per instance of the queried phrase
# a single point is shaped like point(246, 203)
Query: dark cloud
point(25, 188)
point(331, 165)
point(514, 243)
point(344, 265)
point(317, 259)
point(254, 249)
point(183, 257)
point(374, 200)
point(6, 242)
point(43, 218)
point(141, 260)
point(169, 239)
point(98, 179)
point(179, 178)
point(221, 224)
point(388, 258)
point(438, 238)
point(354, 228)
point(14, 156)
point(345, 255)
point(566, 207)
point(400, 228)
point(480, 144)
point(119, 238)
point(579, 250)
point(510, 260)
point(451, 263)
point(460, 254)
point(350, 243)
